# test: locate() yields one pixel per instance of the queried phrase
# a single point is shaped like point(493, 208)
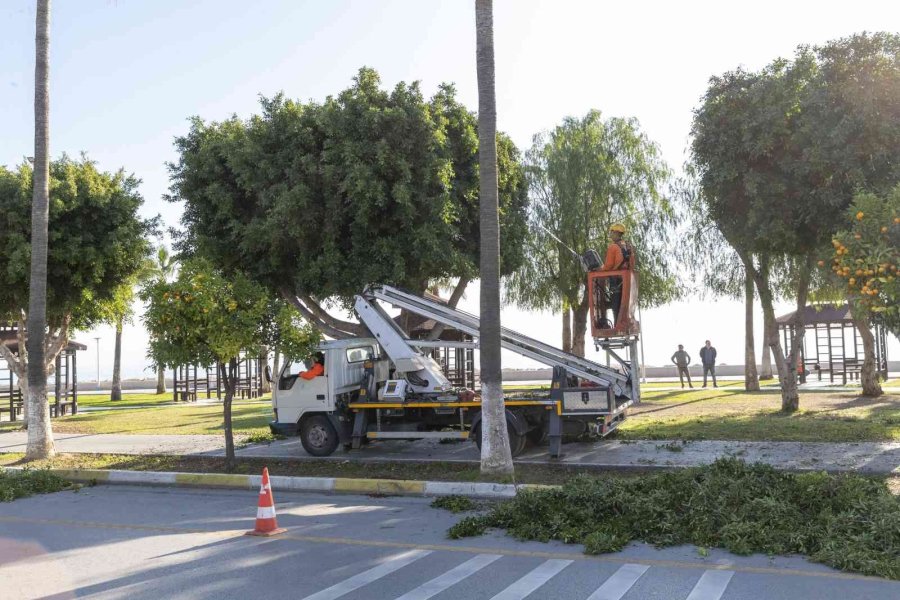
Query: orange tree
point(203, 318)
point(864, 263)
point(866, 257)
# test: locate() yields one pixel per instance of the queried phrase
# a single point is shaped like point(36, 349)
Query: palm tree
point(161, 270)
point(496, 458)
point(37, 409)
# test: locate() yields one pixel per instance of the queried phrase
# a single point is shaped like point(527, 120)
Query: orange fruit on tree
point(860, 215)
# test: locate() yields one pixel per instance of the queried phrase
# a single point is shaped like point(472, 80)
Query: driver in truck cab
point(619, 256)
point(317, 369)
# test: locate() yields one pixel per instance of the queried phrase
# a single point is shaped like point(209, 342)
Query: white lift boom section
point(398, 346)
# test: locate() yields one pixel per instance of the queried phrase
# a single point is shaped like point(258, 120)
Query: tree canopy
point(781, 152)
point(316, 201)
point(866, 257)
point(583, 176)
point(97, 240)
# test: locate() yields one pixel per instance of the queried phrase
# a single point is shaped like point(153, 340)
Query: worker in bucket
point(317, 369)
point(619, 257)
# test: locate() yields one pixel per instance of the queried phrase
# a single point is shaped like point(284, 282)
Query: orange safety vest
point(615, 258)
point(316, 370)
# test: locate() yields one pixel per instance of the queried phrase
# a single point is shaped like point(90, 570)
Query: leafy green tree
point(37, 411)
point(585, 175)
point(316, 201)
point(98, 242)
point(780, 154)
point(203, 318)
point(496, 456)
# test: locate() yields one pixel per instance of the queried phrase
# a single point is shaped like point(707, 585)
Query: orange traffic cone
point(265, 513)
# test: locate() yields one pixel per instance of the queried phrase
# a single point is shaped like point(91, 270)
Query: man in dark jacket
point(708, 358)
point(682, 359)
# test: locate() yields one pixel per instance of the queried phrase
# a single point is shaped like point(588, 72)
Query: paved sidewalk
point(867, 457)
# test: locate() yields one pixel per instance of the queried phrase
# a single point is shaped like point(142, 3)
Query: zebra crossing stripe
point(533, 580)
point(366, 577)
point(621, 581)
point(711, 586)
point(451, 577)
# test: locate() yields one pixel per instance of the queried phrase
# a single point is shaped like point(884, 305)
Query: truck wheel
point(538, 435)
point(318, 436)
point(516, 442)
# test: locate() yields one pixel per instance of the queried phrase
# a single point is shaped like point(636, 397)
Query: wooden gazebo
point(64, 385)
point(831, 343)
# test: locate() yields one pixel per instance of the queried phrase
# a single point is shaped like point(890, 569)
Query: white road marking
point(711, 586)
point(533, 580)
point(366, 577)
point(621, 581)
point(451, 577)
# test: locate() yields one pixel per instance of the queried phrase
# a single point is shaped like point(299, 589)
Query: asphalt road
point(136, 543)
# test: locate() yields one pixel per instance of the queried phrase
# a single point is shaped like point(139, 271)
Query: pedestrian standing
point(682, 359)
point(708, 358)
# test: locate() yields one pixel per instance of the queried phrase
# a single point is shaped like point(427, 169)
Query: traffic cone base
point(266, 523)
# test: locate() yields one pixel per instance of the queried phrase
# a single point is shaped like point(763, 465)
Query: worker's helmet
point(617, 227)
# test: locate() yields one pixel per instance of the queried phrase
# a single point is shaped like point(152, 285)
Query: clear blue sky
point(126, 74)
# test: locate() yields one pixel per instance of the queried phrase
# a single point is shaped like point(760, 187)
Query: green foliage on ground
point(454, 503)
point(21, 484)
point(848, 522)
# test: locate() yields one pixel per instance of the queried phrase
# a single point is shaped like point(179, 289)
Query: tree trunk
point(265, 384)
point(766, 373)
point(160, 380)
point(579, 326)
point(789, 396)
point(453, 302)
point(230, 384)
point(751, 379)
point(869, 374)
point(276, 365)
point(116, 393)
point(496, 458)
point(40, 432)
point(566, 327)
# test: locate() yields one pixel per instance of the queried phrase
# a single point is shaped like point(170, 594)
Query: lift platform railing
point(510, 340)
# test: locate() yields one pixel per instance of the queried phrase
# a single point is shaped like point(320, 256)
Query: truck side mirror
point(267, 373)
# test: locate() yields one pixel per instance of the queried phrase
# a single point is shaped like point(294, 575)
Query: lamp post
point(98, 362)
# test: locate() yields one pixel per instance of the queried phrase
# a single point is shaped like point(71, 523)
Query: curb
point(393, 487)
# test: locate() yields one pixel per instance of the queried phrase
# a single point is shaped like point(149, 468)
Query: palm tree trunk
point(40, 433)
point(116, 393)
point(566, 327)
point(869, 374)
point(751, 379)
point(496, 458)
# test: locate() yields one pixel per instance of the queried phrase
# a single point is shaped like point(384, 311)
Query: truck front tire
point(318, 435)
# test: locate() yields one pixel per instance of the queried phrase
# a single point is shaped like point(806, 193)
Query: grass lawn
point(250, 417)
point(732, 414)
